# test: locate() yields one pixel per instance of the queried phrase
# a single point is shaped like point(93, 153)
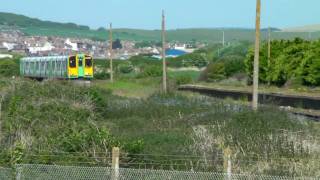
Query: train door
point(80, 65)
point(72, 67)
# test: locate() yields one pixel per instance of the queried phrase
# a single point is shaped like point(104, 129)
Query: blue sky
point(146, 14)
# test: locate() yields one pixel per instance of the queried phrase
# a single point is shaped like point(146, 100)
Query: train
point(79, 66)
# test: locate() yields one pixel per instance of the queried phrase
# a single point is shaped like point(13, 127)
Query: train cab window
point(88, 61)
point(72, 62)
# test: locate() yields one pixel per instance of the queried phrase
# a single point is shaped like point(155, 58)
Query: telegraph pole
point(256, 59)
point(164, 65)
point(269, 51)
point(110, 53)
point(223, 41)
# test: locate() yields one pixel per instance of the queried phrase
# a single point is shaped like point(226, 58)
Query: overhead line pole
point(269, 51)
point(256, 59)
point(223, 40)
point(164, 65)
point(110, 53)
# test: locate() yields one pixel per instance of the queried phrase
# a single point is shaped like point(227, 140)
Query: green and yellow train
point(79, 66)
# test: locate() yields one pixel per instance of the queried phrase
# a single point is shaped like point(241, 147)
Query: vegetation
point(9, 67)
point(56, 122)
point(293, 62)
point(226, 61)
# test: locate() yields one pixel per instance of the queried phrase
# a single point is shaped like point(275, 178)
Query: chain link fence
point(6, 173)
point(53, 172)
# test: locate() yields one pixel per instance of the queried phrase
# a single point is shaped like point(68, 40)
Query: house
point(9, 46)
point(171, 53)
point(70, 45)
point(36, 49)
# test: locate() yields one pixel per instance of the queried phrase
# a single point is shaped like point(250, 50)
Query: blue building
point(172, 53)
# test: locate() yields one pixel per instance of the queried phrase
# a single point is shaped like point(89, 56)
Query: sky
point(146, 14)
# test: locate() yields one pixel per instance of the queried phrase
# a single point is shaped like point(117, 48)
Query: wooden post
point(256, 59)
point(223, 40)
point(269, 53)
point(110, 53)
point(227, 162)
point(115, 163)
point(1, 99)
point(164, 65)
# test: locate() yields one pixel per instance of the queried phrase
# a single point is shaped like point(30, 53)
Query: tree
point(117, 44)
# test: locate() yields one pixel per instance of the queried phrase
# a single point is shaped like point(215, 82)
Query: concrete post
point(227, 163)
point(115, 163)
point(256, 59)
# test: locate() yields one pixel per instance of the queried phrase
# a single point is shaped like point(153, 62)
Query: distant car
point(79, 66)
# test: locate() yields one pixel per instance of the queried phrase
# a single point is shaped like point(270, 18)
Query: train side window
point(88, 62)
point(72, 62)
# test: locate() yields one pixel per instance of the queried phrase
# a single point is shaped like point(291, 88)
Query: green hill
point(33, 26)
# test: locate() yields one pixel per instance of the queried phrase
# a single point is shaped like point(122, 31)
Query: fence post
point(18, 172)
point(227, 162)
point(115, 163)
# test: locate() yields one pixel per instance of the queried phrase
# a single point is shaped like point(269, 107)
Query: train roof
point(44, 58)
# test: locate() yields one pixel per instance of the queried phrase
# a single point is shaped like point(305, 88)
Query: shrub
point(151, 71)
point(233, 65)
point(180, 80)
point(135, 147)
point(101, 75)
point(214, 72)
point(9, 67)
point(126, 67)
point(290, 59)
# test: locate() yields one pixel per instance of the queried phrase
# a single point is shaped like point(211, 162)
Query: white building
point(9, 46)
point(46, 47)
point(73, 46)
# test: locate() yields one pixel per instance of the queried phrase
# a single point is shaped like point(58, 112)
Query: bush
point(180, 80)
point(214, 72)
point(101, 75)
point(290, 59)
point(151, 71)
point(233, 65)
point(9, 67)
point(126, 67)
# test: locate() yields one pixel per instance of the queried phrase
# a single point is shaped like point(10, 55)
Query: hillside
point(308, 28)
point(33, 26)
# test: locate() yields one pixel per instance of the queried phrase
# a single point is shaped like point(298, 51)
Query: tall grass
point(44, 118)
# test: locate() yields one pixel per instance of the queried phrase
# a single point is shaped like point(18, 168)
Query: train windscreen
point(72, 62)
point(88, 61)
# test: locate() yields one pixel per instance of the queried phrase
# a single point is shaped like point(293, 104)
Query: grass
point(134, 88)
point(190, 73)
point(40, 118)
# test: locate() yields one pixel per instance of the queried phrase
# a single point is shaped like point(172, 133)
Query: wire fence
point(6, 173)
point(54, 172)
point(218, 163)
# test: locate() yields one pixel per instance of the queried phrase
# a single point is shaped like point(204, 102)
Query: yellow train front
point(79, 66)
